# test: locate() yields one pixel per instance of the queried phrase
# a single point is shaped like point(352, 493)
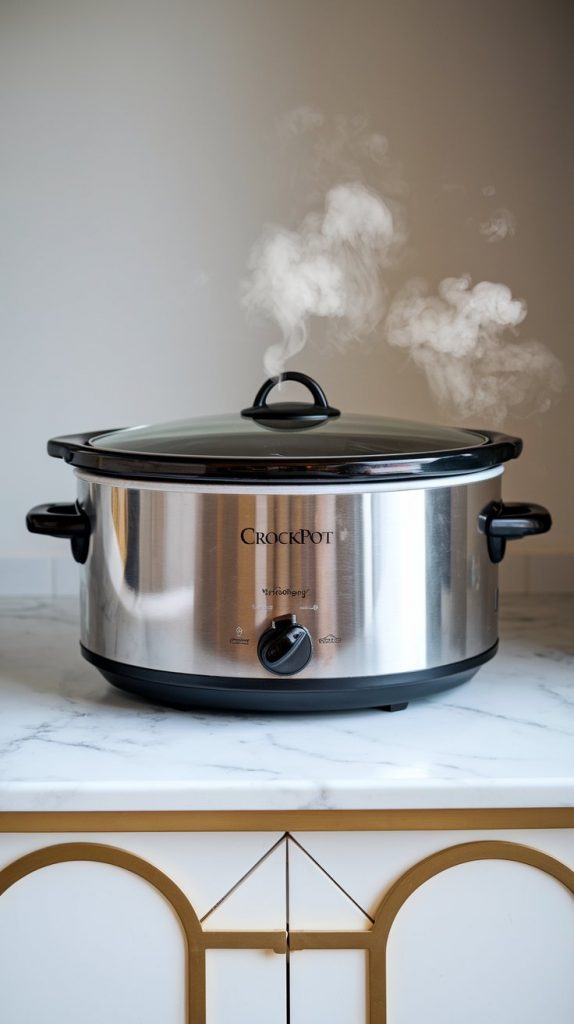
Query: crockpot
point(291, 557)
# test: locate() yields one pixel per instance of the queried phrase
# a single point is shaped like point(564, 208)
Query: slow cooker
point(291, 557)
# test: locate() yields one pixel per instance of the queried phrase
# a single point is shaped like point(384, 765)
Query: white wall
point(138, 154)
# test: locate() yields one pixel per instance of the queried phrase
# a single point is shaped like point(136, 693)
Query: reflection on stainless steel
point(405, 581)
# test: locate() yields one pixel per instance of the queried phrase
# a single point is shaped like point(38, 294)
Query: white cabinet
point(325, 985)
point(101, 943)
point(89, 942)
point(322, 927)
point(329, 987)
point(473, 926)
point(489, 941)
point(249, 986)
point(246, 986)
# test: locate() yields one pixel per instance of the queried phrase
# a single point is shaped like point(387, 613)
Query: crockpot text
point(251, 536)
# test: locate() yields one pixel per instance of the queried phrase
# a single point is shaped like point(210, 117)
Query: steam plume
point(465, 339)
point(500, 225)
point(300, 120)
point(329, 267)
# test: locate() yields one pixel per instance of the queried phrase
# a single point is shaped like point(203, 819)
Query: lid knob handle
point(291, 415)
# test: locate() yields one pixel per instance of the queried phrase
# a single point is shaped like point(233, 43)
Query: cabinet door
point(486, 941)
point(489, 940)
point(329, 987)
point(89, 942)
point(326, 986)
point(246, 986)
point(249, 986)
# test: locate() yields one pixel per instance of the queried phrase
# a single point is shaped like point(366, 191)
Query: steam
point(377, 147)
point(500, 225)
point(329, 267)
point(300, 120)
point(466, 340)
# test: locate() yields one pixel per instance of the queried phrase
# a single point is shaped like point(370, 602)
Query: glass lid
point(235, 438)
point(280, 440)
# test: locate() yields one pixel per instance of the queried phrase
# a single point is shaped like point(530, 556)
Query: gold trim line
point(288, 821)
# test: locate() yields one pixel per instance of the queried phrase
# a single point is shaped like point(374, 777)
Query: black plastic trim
point(180, 689)
point(291, 415)
point(502, 521)
point(76, 450)
point(62, 519)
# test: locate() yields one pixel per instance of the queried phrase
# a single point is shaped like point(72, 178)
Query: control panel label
point(284, 592)
point(330, 639)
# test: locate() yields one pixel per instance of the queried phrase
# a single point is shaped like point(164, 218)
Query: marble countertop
point(69, 741)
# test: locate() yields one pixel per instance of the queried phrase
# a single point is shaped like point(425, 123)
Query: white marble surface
point(69, 741)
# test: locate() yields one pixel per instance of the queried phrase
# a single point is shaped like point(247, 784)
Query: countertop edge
point(53, 798)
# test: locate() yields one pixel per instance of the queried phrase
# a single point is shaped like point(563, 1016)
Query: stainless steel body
point(388, 578)
point(292, 557)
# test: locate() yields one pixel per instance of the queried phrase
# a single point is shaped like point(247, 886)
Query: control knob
point(285, 647)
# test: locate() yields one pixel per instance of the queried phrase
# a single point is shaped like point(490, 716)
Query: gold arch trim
point(423, 871)
point(63, 853)
point(375, 941)
point(196, 940)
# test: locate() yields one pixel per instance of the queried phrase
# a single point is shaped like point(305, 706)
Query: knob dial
point(285, 647)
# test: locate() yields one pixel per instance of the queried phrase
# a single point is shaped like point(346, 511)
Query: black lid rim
point(77, 451)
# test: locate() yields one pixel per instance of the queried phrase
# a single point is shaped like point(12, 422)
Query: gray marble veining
point(69, 741)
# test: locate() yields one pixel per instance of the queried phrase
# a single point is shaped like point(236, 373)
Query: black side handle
point(512, 520)
point(291, 415)
point(62, 519)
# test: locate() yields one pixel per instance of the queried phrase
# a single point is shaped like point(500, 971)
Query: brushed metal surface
point(400, 580)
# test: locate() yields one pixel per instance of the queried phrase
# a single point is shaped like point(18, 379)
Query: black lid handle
point(291, 415)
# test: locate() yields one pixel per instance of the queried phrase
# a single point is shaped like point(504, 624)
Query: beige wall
point(138, 155)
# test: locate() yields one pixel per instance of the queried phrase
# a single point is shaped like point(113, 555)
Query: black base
point(391, 693)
